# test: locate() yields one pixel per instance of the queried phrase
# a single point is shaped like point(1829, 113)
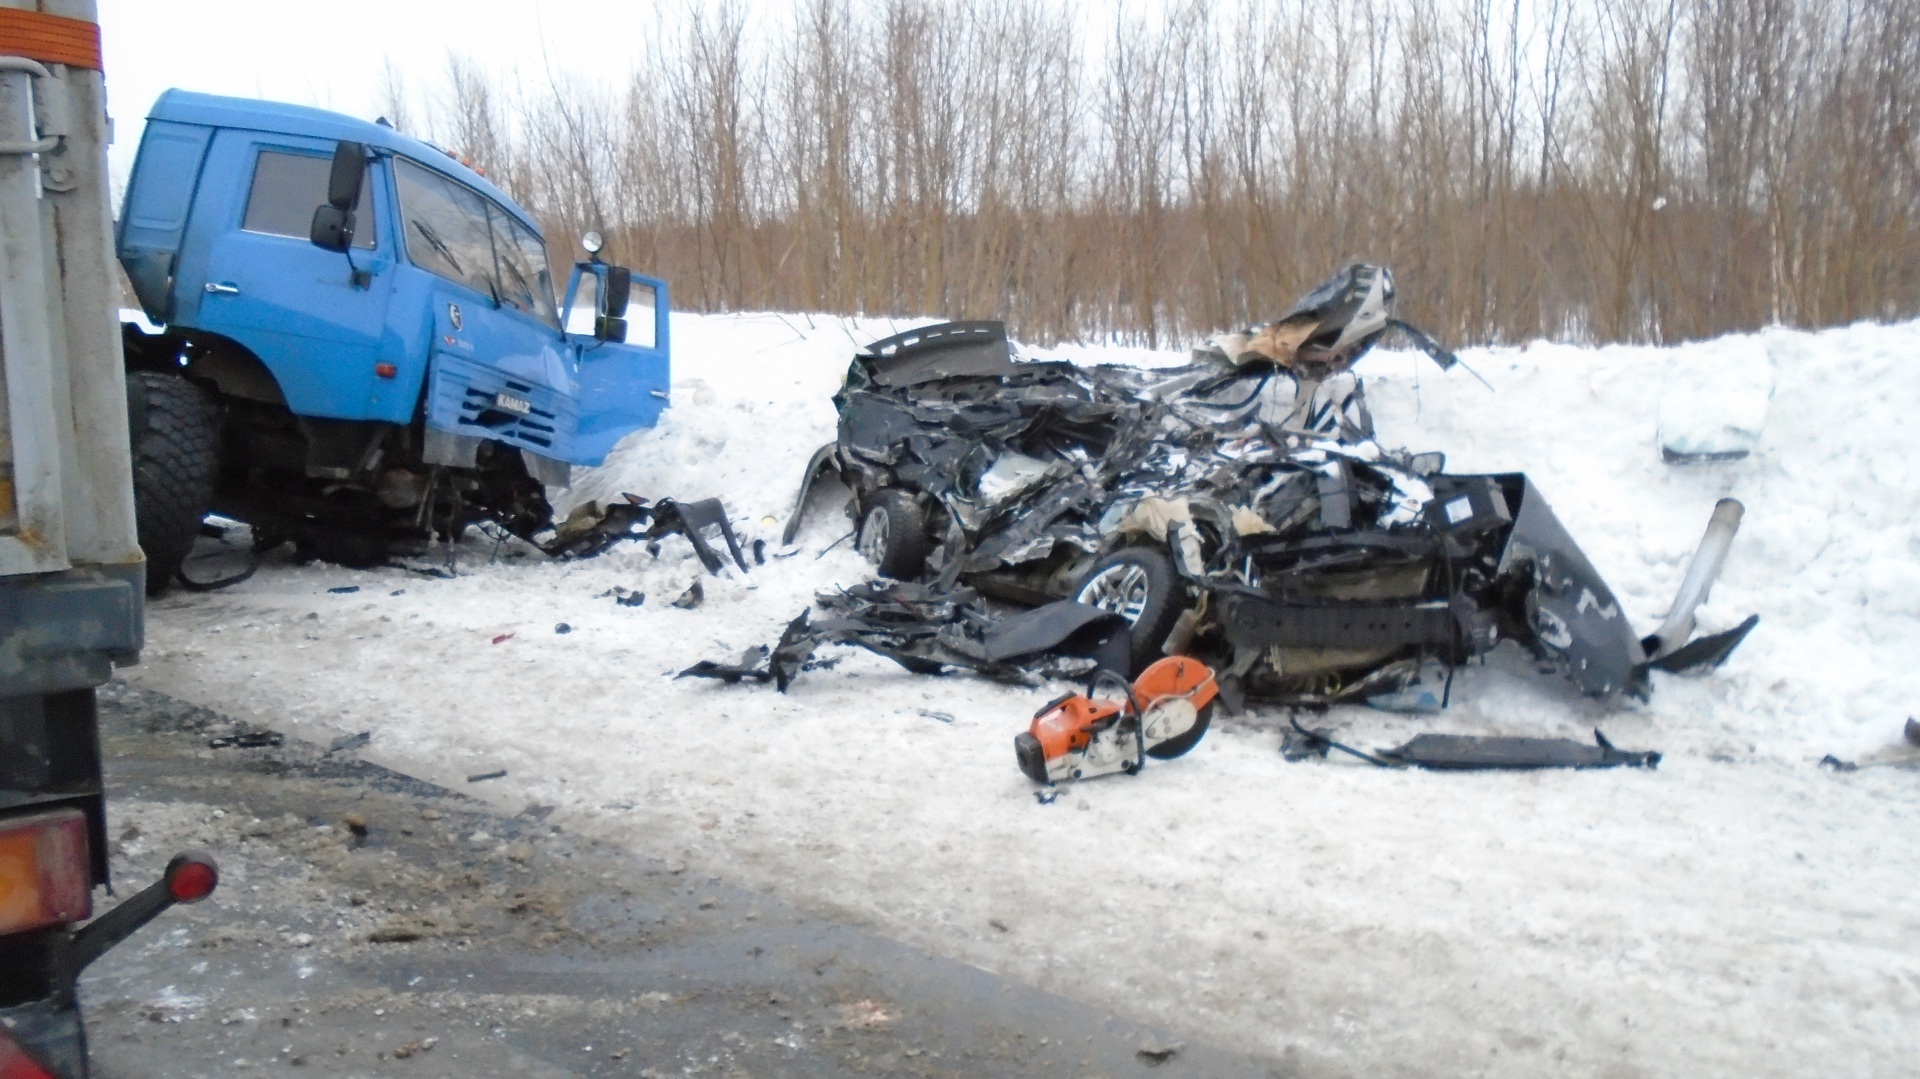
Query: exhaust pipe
point(1701, 573)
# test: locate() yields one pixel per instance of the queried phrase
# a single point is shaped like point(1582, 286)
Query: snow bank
point(1737, 910)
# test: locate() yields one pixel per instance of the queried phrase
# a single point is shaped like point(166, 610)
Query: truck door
point(498, 370)
point(623, 384)
point(304, 311)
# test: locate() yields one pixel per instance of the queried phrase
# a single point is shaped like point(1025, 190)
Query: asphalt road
point(369, 924)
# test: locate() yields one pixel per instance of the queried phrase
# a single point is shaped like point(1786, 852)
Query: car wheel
point(1139, 585)
point(893, 535)
point(176, 453)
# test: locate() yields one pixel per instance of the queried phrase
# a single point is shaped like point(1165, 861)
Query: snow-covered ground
point(1737, 911)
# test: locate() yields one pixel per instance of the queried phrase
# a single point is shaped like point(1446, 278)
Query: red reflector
point(44, 877)
point(15, 1064)
point(385, 370)
point(191, 879)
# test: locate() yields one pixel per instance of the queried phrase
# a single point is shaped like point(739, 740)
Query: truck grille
point(483, 408)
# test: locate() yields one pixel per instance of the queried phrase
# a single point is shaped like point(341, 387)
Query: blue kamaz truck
point(360, 344)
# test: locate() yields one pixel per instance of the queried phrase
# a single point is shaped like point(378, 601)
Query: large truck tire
point(176, 452)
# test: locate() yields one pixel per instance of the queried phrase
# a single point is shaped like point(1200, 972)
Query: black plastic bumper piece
point(61, 631)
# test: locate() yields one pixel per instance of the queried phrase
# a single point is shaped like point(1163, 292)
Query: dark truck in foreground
point(71, 570)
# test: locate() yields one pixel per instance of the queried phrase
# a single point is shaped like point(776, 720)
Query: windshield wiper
point(526, 286)
point(433, 240)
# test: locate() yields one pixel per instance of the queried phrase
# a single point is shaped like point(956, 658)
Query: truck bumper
point(61, 631)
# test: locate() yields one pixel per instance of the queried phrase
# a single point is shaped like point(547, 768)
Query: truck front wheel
point(176, 451)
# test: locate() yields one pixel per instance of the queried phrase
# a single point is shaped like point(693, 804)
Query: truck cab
point(372, 383)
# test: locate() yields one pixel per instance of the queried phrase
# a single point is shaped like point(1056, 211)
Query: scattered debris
point(1467, 752)
point(632, 599)
point(1897, 755)
point(348, 741)
point(395, 934)
point(862, 1015)
point(593, 528)
point(484, 776)
point(503, 637)
point(1154, 1052)
point(1046, 796)
point(409, 1049)
point(562, 628)
point(927, 629)
point(398, 592)
point(356, 824)
point(248, 740)
point(693, 597)
point(1462, 752)
point(998, 924)
point(944, 717)
point(1237, 509)
point(344, 590)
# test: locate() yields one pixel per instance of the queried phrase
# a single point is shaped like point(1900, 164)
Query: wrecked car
point(1237, 509)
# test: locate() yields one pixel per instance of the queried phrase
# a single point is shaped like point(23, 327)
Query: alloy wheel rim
point(1122, 589)
point(873, 538)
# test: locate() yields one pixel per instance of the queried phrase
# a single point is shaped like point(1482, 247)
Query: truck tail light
point(44, 876)
point(16, 1064)
point(191, 878)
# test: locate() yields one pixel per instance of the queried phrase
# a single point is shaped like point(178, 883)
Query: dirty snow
point(1738, 911)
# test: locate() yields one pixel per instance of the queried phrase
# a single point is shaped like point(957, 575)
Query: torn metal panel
point(944, 351)
point(593, 528)
point(1572, 617)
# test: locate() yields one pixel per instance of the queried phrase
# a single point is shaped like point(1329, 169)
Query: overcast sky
point(332, 53)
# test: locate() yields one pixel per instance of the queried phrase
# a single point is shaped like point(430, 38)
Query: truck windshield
point(526, 282)
point(455, 232)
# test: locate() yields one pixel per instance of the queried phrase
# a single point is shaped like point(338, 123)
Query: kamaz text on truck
point(361, 347)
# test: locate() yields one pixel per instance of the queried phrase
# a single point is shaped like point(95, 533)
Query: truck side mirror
point(333, 223)
point(332, 228)
point(612, 323)
point(613, 301)
point(349, 171)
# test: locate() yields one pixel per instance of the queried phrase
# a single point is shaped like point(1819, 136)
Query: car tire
point(175, 428)
point(893, 535)
point(1138, 584)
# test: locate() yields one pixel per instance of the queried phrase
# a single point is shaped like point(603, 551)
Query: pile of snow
point(1738, 910)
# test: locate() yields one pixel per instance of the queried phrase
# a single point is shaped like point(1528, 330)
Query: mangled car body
point(1236, 509)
